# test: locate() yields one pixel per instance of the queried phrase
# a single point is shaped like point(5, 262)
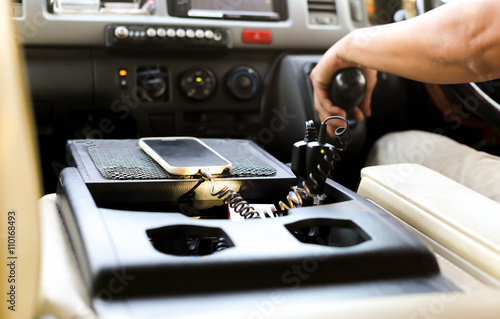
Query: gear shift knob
point(347, 89)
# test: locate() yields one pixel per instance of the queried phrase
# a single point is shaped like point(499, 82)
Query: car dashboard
point(112, 73)
point(324, 19)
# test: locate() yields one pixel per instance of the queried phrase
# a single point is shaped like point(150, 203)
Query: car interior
point(98, 98)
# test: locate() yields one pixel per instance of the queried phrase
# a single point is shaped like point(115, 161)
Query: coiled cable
point(311, 187)
point(339, 133)
point(293, 199)
point(315, 181)
point(232, 198)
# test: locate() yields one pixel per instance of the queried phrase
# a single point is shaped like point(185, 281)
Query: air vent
point(322, 12)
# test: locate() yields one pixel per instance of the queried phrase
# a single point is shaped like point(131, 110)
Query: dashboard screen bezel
point(183, 8)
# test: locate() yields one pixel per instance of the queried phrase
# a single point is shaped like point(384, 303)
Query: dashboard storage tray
point(120, 175)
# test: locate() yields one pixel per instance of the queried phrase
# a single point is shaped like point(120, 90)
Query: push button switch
point(257, 36)
point(121, 32)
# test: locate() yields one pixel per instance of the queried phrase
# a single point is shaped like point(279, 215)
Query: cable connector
point(206, 173)
point(311, 134)
point(339, 132)
point(299, 150)
point(320, 156)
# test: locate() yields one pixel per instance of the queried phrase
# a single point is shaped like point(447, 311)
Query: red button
point(257, 36)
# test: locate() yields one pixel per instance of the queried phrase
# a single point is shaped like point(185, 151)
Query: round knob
point(152, 84)
point(243, 82)
point(190, 33)
point(161, 32)
point(121, 32)
point(209, 34)
point(198, 83)
point(180, 33)
point(171, 33)
point(217, 36)
point(347, 89)
point(151, 32)
point(200, 34)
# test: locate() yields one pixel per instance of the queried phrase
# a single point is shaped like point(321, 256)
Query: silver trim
point(38, 27)
point(485, 96)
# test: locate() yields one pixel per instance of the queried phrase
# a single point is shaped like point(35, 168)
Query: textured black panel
point(125, 160)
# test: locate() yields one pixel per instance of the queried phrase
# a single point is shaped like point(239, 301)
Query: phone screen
point(185, 153)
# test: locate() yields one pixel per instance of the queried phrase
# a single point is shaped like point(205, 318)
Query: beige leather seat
point(19, 180)
point(47, 278)
point(458, 218)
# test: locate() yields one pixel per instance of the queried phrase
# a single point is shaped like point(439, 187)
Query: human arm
point(455, 43)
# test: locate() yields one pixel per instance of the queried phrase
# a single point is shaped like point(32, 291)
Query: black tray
point(160, 194)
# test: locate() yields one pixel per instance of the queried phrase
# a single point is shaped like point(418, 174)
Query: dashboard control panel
point(243, 82)
point(198, 83)
point(171, 37)
point(152, 84)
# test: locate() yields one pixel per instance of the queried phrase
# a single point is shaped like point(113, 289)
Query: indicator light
point(123, 72)
point(198, 79)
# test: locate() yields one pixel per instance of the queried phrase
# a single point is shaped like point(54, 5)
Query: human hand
point(321, 77)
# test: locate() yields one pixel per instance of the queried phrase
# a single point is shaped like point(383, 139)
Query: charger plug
point(316, 153)
point(319, 163)
point(298, 164)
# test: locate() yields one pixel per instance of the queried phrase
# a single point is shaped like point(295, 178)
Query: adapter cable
point(312, 162)
point(230, 197)
point(339, 132)
point(313, 157)
point(321, 155)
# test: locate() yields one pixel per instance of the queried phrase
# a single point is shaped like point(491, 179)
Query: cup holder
point(328, 232)
point(187, 240)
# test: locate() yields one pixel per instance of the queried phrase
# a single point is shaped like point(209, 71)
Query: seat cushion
point(453, 215)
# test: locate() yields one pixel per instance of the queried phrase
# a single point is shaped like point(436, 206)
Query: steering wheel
point(481, 99)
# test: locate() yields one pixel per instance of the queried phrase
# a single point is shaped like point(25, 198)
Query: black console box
point(347, 247)
point(162, 194)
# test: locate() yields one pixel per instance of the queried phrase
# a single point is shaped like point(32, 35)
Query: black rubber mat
point(125, 160)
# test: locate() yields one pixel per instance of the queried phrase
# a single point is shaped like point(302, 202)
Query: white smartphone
point(184, 155)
